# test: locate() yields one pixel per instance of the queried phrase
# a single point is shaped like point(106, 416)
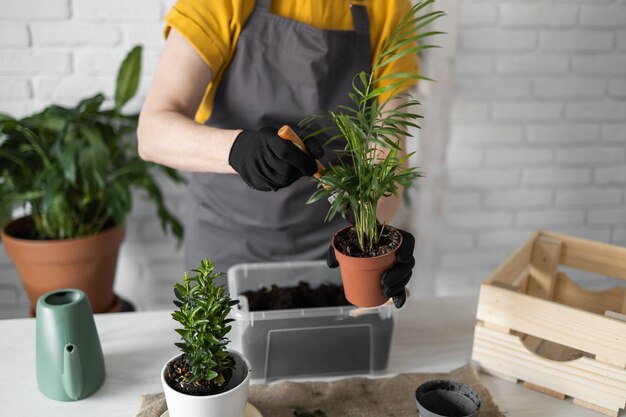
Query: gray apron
point(282, 70)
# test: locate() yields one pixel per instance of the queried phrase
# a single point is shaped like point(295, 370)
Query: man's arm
point(167, 132)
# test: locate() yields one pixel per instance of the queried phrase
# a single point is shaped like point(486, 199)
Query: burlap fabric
point(350, 397)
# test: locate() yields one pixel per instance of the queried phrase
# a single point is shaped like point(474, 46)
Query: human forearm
point(173, 139)
point(167, 132)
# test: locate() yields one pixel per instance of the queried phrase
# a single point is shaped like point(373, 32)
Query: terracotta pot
point(86, 263)
point(361, 276)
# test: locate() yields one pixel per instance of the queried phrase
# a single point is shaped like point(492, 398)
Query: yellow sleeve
point(393, 12)
point(207, 31)
point(213, 28)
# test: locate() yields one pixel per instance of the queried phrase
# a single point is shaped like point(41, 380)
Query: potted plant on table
point(206, 379)
point(371, 165)
point(72, 170)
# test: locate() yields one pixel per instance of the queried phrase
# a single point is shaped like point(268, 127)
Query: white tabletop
point(430, 335)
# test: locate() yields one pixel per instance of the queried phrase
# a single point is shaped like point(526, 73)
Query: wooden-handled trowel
point(287, 133)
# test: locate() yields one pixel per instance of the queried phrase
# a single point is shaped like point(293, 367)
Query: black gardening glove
point(267, 162)
point(395, 278)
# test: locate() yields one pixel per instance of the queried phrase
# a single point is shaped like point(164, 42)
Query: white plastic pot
point(230, 403)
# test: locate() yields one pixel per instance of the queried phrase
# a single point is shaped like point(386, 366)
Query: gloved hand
point(267, 162)
point(395, 278)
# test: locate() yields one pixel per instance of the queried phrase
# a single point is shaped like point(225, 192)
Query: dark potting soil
point(300, 296)
point(347, 243)
point(176, 371)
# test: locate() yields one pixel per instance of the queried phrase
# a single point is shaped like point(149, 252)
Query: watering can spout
point(72, 372)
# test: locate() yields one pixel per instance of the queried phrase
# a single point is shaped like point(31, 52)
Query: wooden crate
point(537, 326)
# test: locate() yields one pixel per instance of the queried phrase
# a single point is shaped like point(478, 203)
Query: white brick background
point(538, 134)
point(538, 131)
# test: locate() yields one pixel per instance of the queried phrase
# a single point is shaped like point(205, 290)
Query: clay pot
point(361, 276)
point(85, 263)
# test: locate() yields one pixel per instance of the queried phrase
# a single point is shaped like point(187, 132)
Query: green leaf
point(128, 78)
point(90, 105)
point(89, 156)
point(360, 176)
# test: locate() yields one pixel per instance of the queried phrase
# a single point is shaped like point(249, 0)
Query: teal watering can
point(70, 364)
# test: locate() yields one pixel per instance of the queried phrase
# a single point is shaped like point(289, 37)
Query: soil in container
point(175, 378)
point(299, 296)
point(348, 243)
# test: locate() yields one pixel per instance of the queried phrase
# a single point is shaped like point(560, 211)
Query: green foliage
point(361, 177)
point(74, 168)
point(202, 311)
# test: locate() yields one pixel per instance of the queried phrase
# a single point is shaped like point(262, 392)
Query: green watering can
point(70, 365)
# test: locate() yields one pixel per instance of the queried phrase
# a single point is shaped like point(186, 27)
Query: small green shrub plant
point(361, 177)
point(202, 310)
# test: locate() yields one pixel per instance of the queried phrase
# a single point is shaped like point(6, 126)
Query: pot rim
point(392, 252)
point(204, 397)
point(9, 237)
point(453, 386)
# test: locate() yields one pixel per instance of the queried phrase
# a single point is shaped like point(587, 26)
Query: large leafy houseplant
point(73, 169)
point(205, 367)
point(379, 115)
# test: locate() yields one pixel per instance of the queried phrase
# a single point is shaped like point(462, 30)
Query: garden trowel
point(288, 133)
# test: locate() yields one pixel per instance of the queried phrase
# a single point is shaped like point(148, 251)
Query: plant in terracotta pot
point(206, 379)
point(72, 170)
point(372, 165)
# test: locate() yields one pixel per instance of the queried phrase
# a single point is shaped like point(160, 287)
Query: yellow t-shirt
point(213, 28)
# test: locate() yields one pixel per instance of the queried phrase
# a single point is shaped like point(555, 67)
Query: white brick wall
point(541, 98)
point(538, 132)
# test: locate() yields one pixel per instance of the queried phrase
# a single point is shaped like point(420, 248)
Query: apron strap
point(359, 17)
point(263, 5)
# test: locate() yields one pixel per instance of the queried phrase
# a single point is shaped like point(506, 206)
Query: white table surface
point(430, 335)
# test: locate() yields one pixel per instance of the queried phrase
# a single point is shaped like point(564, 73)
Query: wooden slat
point(544, 264)
point(571, 294)
point(519, 284)
point(544, 319)
point(496, 327)
point(592, 256)
point(613, 378)
point(545, 390)
point(584, 378)
point(515, 265)
point(595, 408)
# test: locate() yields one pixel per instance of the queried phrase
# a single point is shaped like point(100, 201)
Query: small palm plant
point(369, 167)
point(202, 310)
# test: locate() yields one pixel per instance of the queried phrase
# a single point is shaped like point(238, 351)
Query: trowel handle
point(287, 133)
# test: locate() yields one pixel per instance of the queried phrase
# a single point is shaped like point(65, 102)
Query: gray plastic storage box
point(306, 342)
